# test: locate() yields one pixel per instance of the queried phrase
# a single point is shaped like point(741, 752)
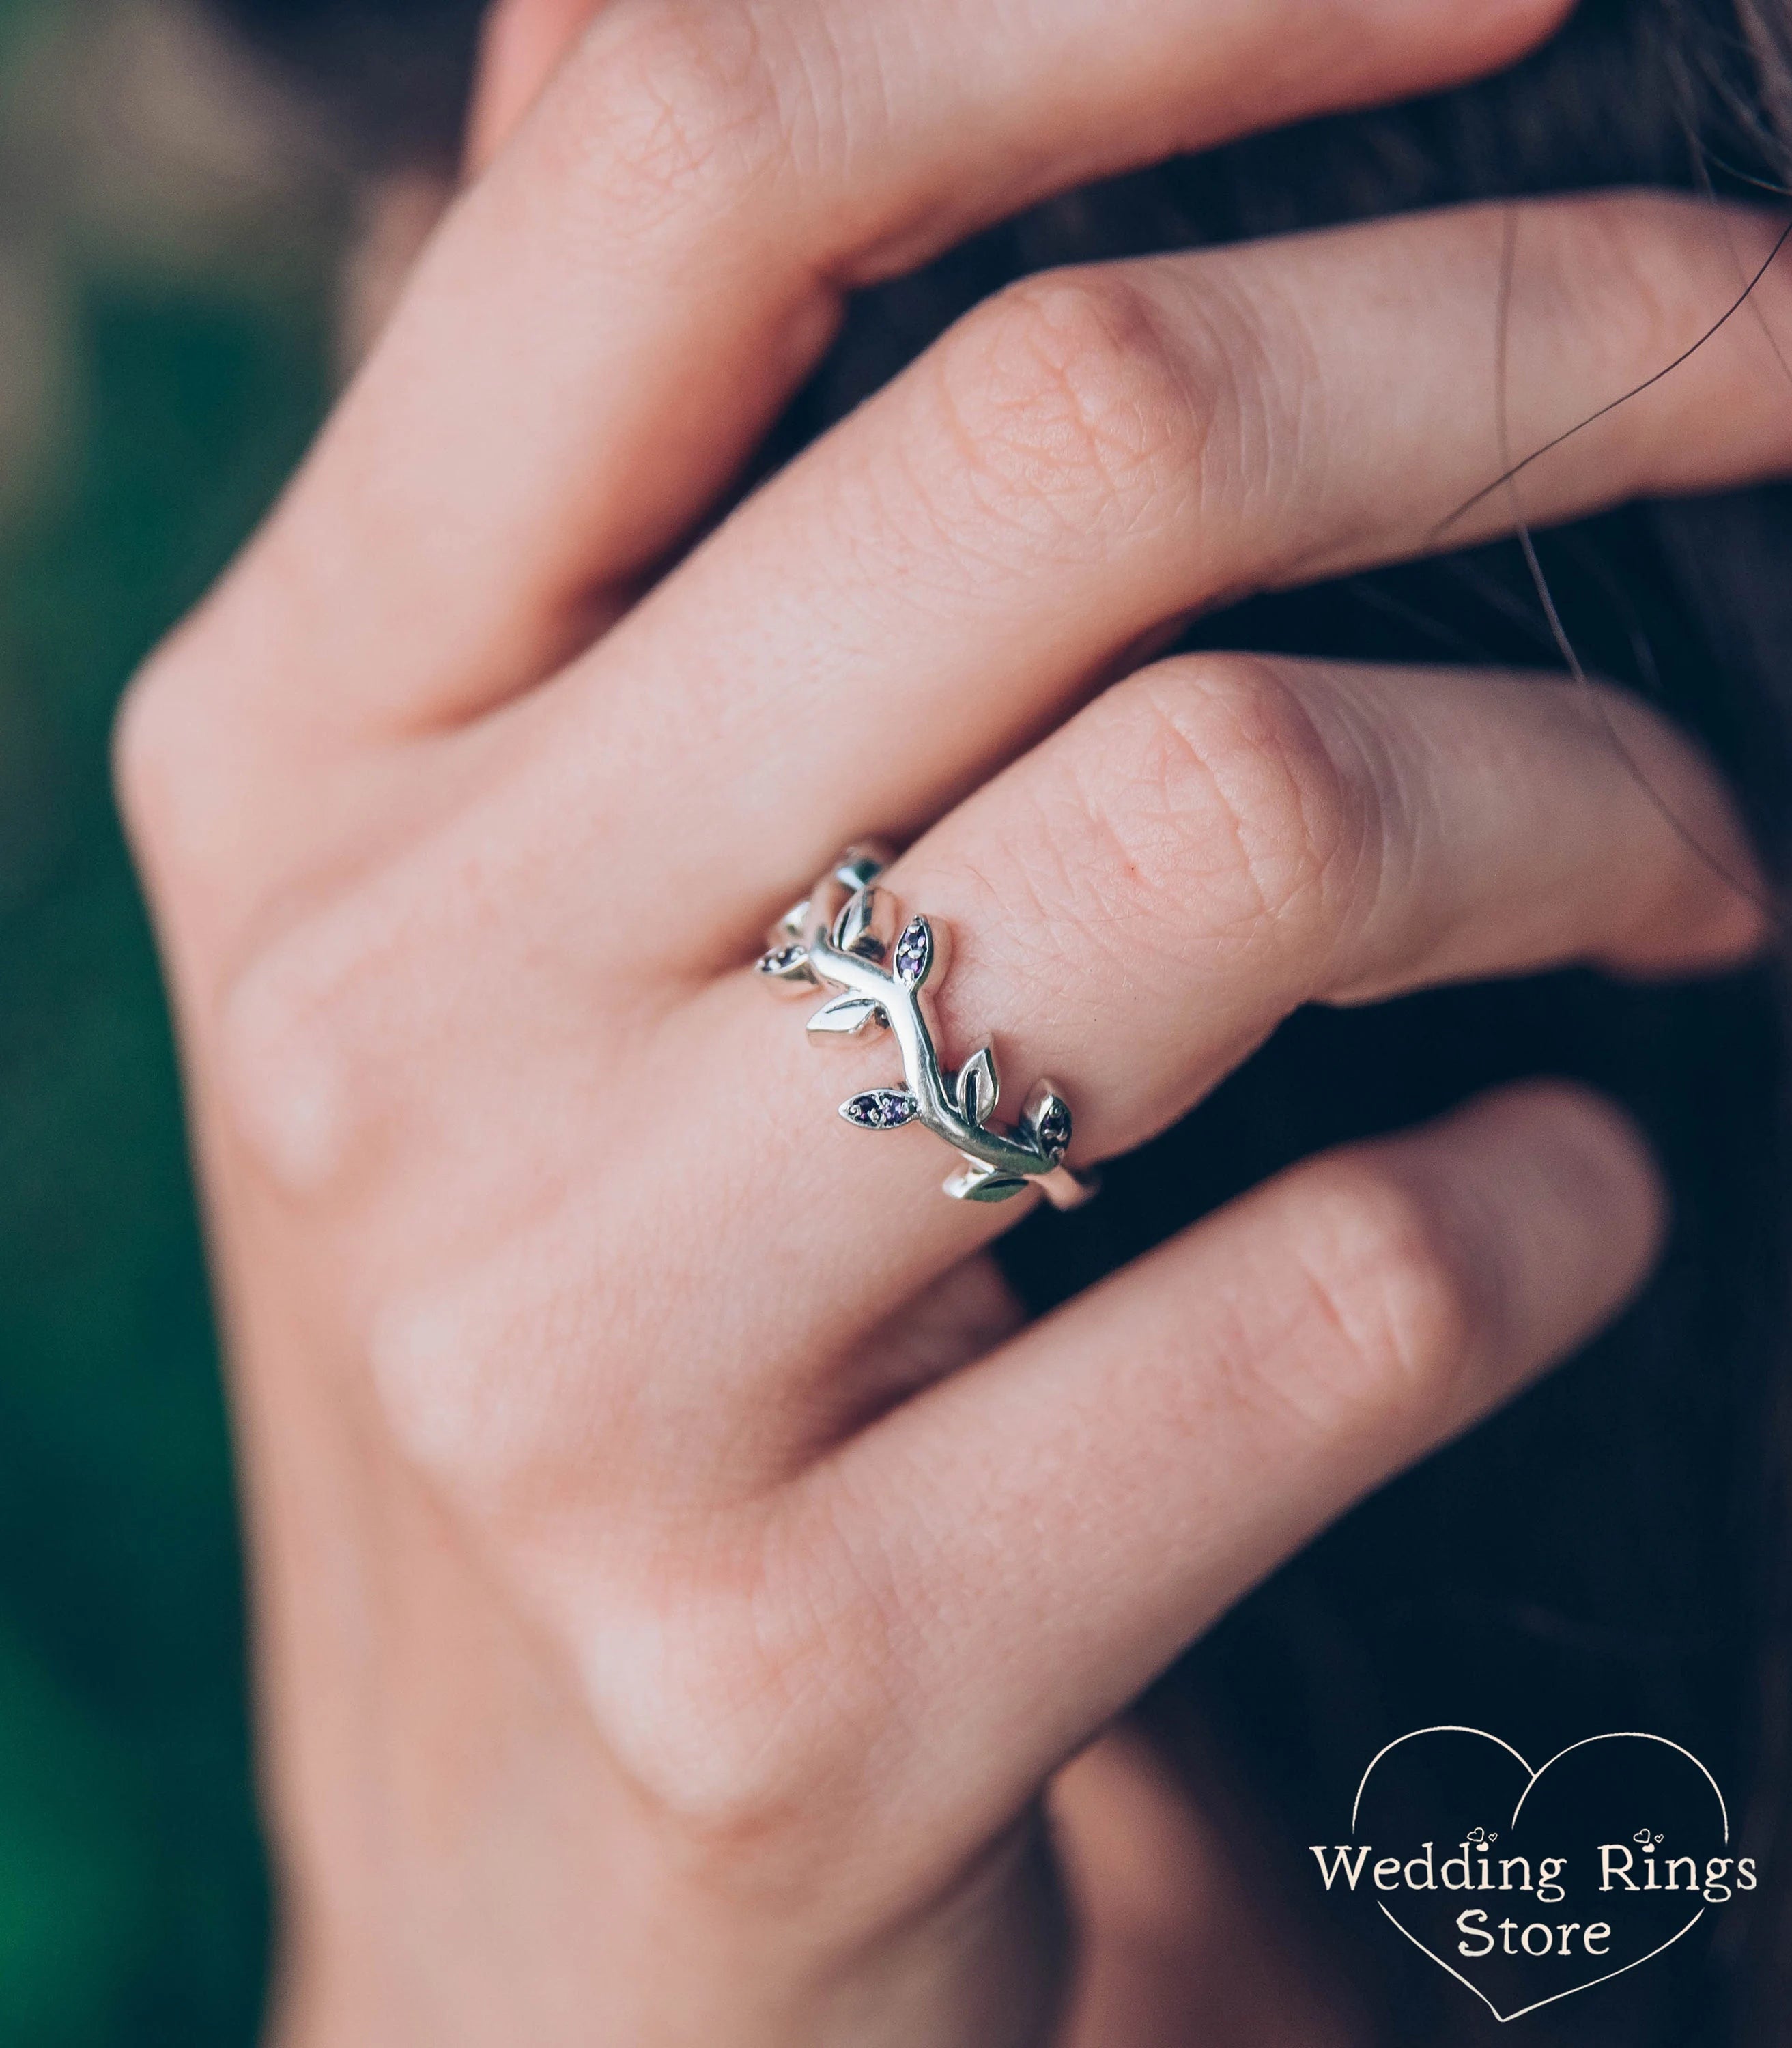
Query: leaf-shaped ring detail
point(836, 941)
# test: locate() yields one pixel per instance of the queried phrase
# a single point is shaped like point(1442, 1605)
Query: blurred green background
point(169, 234)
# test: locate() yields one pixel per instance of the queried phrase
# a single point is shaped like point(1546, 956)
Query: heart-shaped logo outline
point(1616, 1735)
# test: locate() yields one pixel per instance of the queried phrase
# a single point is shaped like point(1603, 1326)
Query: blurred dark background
point(169, 232)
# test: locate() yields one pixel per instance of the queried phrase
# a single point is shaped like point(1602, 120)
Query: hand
point(678, 1577)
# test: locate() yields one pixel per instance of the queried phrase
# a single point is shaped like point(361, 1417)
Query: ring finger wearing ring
point(1137, 903)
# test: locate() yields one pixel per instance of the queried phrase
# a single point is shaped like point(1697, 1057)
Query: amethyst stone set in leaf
point(881, 1109)
point(915, 953)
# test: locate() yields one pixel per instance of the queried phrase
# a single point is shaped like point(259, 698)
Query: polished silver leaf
point(979, 1087)
point(1050, 1125)
point(855, 929)
point(982, 1183)
point(845, 1016)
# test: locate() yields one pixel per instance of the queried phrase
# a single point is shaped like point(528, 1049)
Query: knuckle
point(742, 1657)
point(1070, 401)
point(301, 1054)
point(711, 1741)
point(669, 103)
point(1213, 770)
point(165, 756)
point(147, 747)
point(1637, 277)
point(442, 1359)
point(738, 1683)
point(1616, 291)
point(501, 1380)
point(187, 761)
point(1395, 1294)
point(1617, 258)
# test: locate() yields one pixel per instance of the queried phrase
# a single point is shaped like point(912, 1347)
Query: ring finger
point(1133, 906)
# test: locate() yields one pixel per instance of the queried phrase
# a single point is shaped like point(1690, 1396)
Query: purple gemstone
point(880, 1109)
point(912, 950)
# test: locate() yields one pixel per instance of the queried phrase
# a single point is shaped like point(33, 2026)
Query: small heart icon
point(1527, 1885)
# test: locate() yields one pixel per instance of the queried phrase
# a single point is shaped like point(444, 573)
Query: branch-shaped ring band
point(843, 939)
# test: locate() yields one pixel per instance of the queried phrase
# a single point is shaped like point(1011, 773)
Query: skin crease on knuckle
point(1069, 412)
point(673, 102)
point(1198, 809)
point(406, 954)
point(1637, 277)
point(1223, 765)
point(1634, 313)
point(1133, 403)
point(1431, 1284)
point(1398, 1296)
point(718, 1699)
point(746, 1677)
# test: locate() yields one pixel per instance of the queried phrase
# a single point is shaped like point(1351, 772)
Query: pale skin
point(692, 1606)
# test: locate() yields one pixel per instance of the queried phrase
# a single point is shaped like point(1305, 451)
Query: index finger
point(610, 318)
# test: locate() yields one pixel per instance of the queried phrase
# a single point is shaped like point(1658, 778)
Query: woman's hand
point(678, 1578)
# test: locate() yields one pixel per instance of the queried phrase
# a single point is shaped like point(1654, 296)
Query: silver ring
point(843, 938)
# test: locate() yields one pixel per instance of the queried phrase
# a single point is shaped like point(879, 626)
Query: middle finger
point(1096, 453)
